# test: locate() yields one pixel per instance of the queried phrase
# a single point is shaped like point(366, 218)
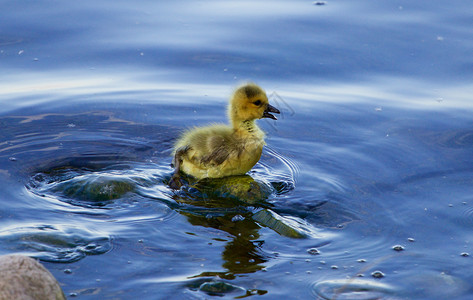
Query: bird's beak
point(270, 109)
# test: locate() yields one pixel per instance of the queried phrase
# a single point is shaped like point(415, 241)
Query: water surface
point(366, 177)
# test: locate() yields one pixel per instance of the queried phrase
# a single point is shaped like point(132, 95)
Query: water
point(366, 179)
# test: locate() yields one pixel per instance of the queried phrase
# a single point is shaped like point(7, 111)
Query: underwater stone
point(243, 188)
point(218, 288)
point(283, 226)
point(98, 189)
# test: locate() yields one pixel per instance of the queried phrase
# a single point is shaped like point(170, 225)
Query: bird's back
point(217, 151)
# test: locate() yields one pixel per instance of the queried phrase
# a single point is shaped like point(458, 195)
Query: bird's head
point(249, 102)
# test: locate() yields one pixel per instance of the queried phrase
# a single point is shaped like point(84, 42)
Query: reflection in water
point(95, 179)
point(104, 174)
point(243, 254)
point(236, 205)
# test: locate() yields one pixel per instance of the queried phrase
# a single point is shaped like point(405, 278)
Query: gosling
point(221, 150)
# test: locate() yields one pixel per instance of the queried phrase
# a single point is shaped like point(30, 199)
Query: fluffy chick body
point(221, 150)
point(218, 151)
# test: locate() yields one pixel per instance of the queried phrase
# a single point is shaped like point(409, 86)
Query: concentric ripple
point(81, 187)
point(280, 171)
point(352, 289)
point(55, 243)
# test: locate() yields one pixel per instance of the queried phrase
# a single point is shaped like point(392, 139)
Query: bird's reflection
point(228, 204)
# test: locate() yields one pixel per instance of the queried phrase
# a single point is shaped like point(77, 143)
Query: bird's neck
point(247, 128)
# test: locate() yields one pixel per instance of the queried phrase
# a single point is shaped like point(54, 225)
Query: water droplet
point(35, 59)
point(237, 218)
point(21, 52)
point(71, 125)
point(398, 247)
point(313, 251)
point(378, 274)
point(411, 240)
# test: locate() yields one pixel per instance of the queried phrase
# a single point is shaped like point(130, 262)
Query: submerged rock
point(95, 188)
point(219, 288)
point(284, 225)
point(243, 188)
point(22, 277)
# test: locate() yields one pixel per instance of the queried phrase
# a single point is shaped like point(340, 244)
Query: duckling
point(223, 150)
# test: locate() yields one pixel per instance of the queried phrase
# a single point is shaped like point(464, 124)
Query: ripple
point(81, 187)
point(221, 288)
point(280, 171)
point(455, 139)
point(125, 193)
point(55, 243)
point(352, 289)
point(4, 41)
point(466, 214)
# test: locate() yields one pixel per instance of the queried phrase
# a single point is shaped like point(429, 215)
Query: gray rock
point(23, 278)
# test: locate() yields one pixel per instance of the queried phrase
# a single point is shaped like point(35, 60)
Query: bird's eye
point(257, 102)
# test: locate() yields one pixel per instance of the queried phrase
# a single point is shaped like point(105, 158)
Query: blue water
point(371, 159)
